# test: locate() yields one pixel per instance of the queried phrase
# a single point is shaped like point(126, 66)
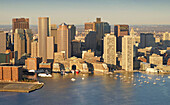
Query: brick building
point(10, 73)
point(33, 63)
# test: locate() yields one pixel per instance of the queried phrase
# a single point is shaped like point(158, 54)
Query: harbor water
point(112, 89)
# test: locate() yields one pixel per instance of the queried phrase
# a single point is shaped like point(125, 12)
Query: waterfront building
point(120, 31)
point(33, 63)
point(59, 56)
point(110, 49)
point(2, 42)
point(64, 34)
point(156, 59)
point(144, 66)
point(127, 53)
point(45, 65)
point(43, 32)
point(147, 40)
point(10, 73)
point(88, 63)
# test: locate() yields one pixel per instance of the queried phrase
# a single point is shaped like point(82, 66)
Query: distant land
point(138, 28)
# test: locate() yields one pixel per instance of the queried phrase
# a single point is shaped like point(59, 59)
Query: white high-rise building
point(166, 36)
point(110, 49)
point(127, 53)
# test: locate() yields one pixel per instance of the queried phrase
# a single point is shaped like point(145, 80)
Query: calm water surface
point(95, 90)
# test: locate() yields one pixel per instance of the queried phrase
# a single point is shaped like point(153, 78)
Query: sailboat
point(154, 82)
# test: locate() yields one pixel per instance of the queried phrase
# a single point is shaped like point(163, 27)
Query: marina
point(97, 89)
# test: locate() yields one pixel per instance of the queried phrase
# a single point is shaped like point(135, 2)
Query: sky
point(80, 11)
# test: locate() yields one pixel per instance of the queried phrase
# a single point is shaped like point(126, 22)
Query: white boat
point(31, 71)
point(73, 79)
point(73, 71)
point(168, 76)
point(151, 70)
point(44, 75)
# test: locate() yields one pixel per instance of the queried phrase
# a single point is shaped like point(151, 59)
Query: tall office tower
point(43, 32)
point(72, 31)
point(2, 42)
point(54, 32)
point(19, 23)
point(90, 41)
point(101, 28)
point(19, 43)
point(50, 48)
point(127, 53)
point(166, 36)
point(147, 40)
point(109, 49)
point(120, 31)
point(64, 34)
point(28, 40)
point(76, 48)
point(34, 49)
point(89, 26)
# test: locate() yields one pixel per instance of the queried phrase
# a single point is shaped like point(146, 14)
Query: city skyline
point(78, 11)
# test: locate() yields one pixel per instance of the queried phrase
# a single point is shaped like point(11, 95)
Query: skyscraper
point(28, 40)
point(64, 35)
point(109, 49)
point(89, 26)
point(43, 32)
point(127, 53)
point(120, 31)
point(50, 48)
point(147, 40)
point(19, 43)
point(72, 31)
point(19, 23)
point(54, 32)
point(101, 29)
point(90, 41)
point(34, 49)
point(2, 42)
point(22, 42)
